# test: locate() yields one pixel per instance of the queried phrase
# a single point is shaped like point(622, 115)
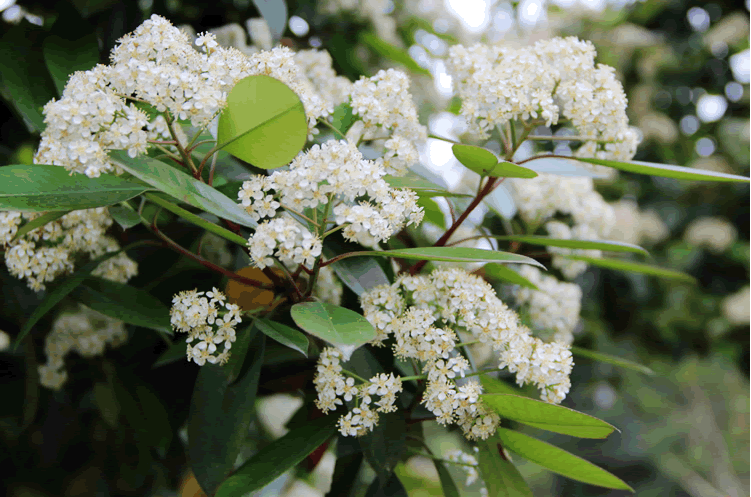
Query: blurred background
point(685, 68)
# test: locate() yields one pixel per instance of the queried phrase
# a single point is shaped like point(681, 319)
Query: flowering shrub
point(425, 331)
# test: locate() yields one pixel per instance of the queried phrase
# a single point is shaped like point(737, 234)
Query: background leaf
point(125, 217)
point(501, 477)
point(501, 202)
point(283, 334)
point(38, 222)
point(667, 171)
point(635, 267)
point(391, 52)
point(360, 274)
point(503, 273)
point(69, 50)
point(611, 359)
point(604, 245)
point(561, 167)
point(452, 254)
point(423, 187)
point(384, 446)
point(274, 13)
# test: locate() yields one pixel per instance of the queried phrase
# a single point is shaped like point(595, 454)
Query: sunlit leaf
point(501, 477)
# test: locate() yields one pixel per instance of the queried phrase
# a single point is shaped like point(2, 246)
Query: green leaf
point(485, 163)
point(492, 385)
point(451, 254)
point(501, 202)
point(433, 213)
point(63, 288)
point(124, 216)
point(610, 359)
point(69, 50)
point(278, 457)
point(447, 483)
point(384, 446)
point(360, 274)
point(635, 267)
point(391, 52)
point(666, 171)
point(274, 12)
point(392, 487)
point(421, 186)
point(175, 352)
point(341, 327)
point(550, 417)
point(604, 245)
point(263, 123)
point(220, 412)
point(503, 273)
point(346, 470)
point(183, 187)
point(285, 335)
point(42, 188)
point(561, 167)
point(343, 118)
point(501, 477)
point(106, 402)
point(124, 302)
point(38, 223)
point(558, 460)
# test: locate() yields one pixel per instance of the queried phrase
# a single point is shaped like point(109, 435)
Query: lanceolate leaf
point(501, 477)
point(604, 245)
point(610, 359)
point(360, 274)
point(493, 385)
point(558, 460)
point(278, 457)
point(41, 188)
point(667, 171)
point(550, 417)
point(420, 185)
point(447, 483)
point(339, 326)
point(263, 123)
point(38, 223)
point(501, 201)
point(392, 52)
point(503, 273)
point(175, 352)
point(285, 335)
point(183, 187)
point(451, 254)
point(561, 167)
point(635, 267)
point(124, 216)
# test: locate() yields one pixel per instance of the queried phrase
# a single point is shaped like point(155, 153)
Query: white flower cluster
point(198, 315)
point(569, 267)
point(316, 65)
point(385, 106)
point(468, 462)
point(331, 384)
point(47, 252)
point(541, 83)
point(427, 314)
point(555, 306)
point(86, 332)
point(335, 173)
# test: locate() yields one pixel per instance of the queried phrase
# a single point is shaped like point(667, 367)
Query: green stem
point(333, 230)
point(317, 266)
point(293, 211)
point(472, 342)
point(183, 153)
point(333, 128)
point(353, 375)
point(568, 138)
point(444, 139)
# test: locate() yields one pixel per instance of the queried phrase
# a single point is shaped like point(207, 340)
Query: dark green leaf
point(391, 488)
point(343, 117)
point(106, 402)
point(183, 187)
point(38, 223)
point(447, 483)
point(604, 245)
point(263, 123)
point(278, 457)
point(69, 50)
point(274, 12)
point(285, 335)
point(501, 477)
point(610, 359)
point(346, 470)
point(503, 273)
point(124, 302)
point(485, 163)
point(175, 352)
point(125, 217)
point(339, 326)
point(558, 460)
point(635, 267)
point(666, 171)
point(42, 188)
point(220, 413)
point(385, 445)
point(360, 274)
point(547, 416)
point(451, 254)
point(391, 52)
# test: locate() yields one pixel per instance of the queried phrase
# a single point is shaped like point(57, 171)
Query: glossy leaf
point(278, 457)
point(501, 202)
point(283, 334)
point(558, 460)
point(263, 123)
point(546, 416)
point(493, 385)
point(124, 302)
point(667, 171)
point(360, 274)
point(635, 267)
point(125, 217)
point(503, 273)
point(274, 12)
point(422, 187)
point(561, 167)
point(220, 412)
point(183, 187)
point(42, 188)
point(501, 477)
point(38, 222)
point(384, 446)
point(611, 359)
point(391, 52)
point(604, 245)
point(485, 163)
point(343, 328)
point(451, 254)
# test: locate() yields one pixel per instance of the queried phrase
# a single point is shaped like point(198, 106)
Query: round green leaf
point(341, 327)
point(263, 123)
point(474, 158)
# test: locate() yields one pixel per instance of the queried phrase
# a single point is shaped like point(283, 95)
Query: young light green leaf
point(283, 334)
point(558, 460)
point(339, 326)
point(274, 12)
point(503, 273)
point(124, 216)
point(433, 213)
point(343, 117)
point(611, 359)
point(124, 302)
point(635, 267)
point(421, 186)
point(485, 163)
point(42, 188)
point(550, 417)
point(561, 167)
point(392, 52)
point(183, 187)
point(501, 477)
point(263, 123)
point(450, 254)
point(38, 223)
point(360, 274)
point(604, 245)
point(667, 171)
point(278, 457)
